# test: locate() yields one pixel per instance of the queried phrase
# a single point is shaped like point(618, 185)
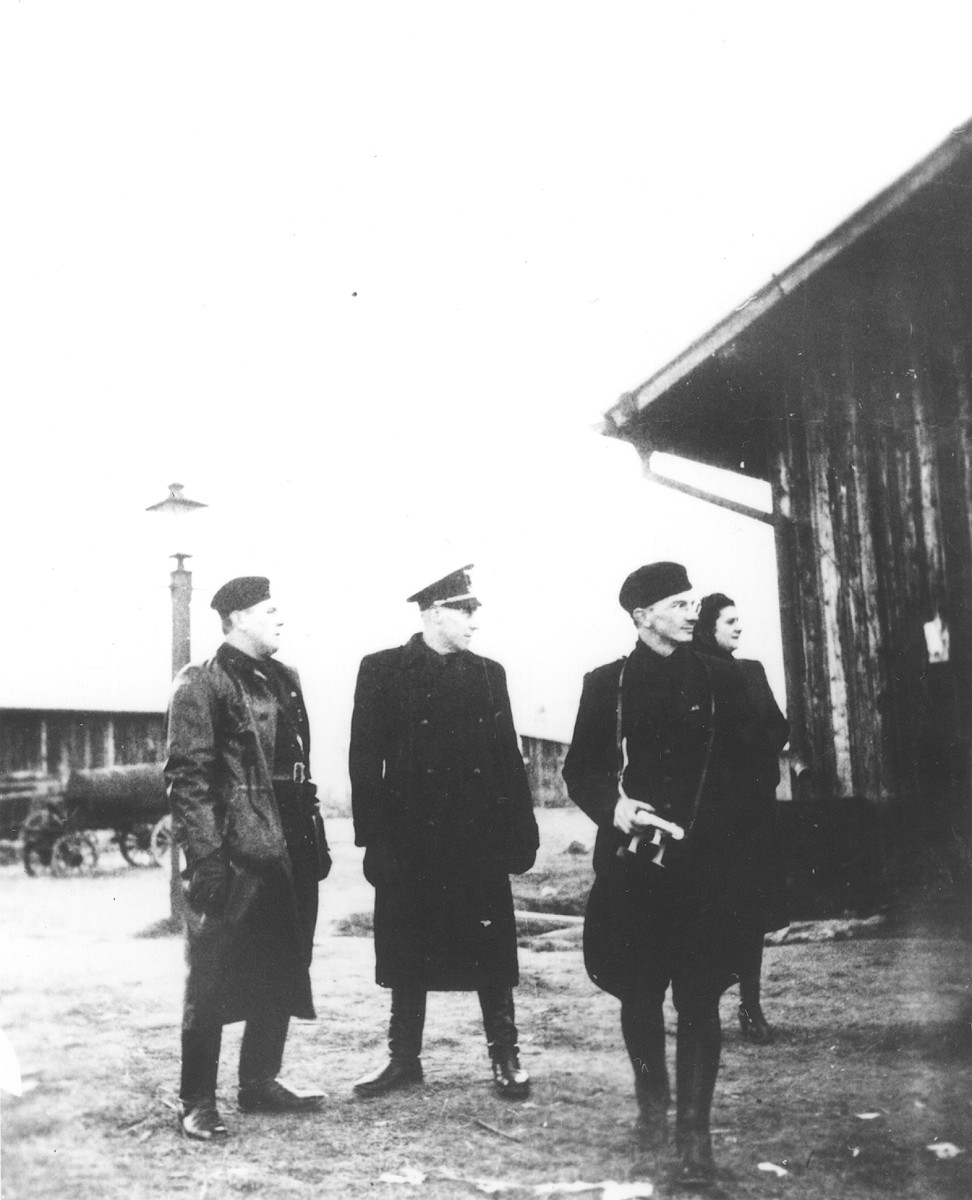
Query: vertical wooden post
point(181, 589)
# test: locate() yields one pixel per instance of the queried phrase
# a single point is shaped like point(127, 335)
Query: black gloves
point(209, 885)
point(324, 863)
point(321, 847)
point(381, 865)
point(521, 861)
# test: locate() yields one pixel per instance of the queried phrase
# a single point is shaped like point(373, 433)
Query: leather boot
point(509, 1078)
point(405, 1028)
point(643, 1029)
point(651, 1128)
point(696, 1067)
point(753, 1025)
point(200, 1119)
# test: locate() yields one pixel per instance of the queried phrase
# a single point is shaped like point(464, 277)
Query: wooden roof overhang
point(717, 402)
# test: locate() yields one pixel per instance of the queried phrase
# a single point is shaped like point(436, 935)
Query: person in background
point(717, 633)
point(442, 806)
point(665, 734)
point(246, 816)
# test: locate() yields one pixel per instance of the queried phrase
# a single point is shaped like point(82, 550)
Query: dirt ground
point(872, 1065)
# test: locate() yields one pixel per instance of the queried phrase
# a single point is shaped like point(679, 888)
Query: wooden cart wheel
point(37, 857)
point(38, 834)
point(136, 846)
point(161, 840)
point(74, 852)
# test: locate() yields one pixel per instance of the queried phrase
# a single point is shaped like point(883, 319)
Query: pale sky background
point(364, 276)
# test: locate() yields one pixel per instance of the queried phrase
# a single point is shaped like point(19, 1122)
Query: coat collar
point(416, 652)
point(238, 663)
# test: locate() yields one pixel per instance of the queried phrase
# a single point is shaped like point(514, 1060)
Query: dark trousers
point(407, 1022)
point(261, 1055)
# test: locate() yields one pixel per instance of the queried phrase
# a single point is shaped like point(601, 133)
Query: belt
point(297, 775)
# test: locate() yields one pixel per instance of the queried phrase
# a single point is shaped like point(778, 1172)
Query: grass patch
point(359, 924)
point(561, 879)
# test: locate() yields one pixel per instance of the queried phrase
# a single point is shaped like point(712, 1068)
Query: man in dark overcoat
point(246, 816)
point(665, 733)
point(442, 807)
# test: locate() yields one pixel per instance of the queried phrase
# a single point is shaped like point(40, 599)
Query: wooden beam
point(783, 285)
point(736, 506)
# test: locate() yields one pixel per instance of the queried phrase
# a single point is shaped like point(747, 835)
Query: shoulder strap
point(623, 752)
point(697, 799)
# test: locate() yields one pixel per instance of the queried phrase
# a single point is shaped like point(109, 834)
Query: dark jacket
point(764, 868)
point(441, 803)
point(688, 733)
point(222, 731)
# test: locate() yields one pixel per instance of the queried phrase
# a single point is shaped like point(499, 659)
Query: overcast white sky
point(363, 277)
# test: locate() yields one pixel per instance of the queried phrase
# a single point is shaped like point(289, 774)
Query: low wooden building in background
point(40, 747)
point(543, 758)
point(846, 384)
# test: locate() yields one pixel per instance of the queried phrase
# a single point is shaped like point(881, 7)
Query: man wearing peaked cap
point(451, 591)
point(666, 733)
point(246, 815)
point(442, 807)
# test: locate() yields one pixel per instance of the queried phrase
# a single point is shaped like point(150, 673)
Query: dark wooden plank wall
point(872, 479)
point(38, 744)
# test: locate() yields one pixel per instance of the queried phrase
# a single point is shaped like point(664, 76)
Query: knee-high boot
point(698, 1047)
point(499, 1022)
point(405, 1028)
point(752, 1022)
point(406, 1024)
point(643, 1029)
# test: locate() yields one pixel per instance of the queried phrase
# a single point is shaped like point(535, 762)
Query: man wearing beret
point(442, 807)
point(665, 733)
point(246, 816)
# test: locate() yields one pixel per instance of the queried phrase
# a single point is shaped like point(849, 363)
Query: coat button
point(477, 771)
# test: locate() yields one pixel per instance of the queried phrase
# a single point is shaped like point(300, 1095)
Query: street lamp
point(177, 505)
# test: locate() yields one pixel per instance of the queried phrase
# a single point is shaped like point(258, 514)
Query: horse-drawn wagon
point(60, 833)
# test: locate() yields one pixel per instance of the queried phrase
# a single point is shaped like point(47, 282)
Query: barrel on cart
point(130, 801)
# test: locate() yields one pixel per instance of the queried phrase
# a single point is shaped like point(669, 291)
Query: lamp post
point(180, 585)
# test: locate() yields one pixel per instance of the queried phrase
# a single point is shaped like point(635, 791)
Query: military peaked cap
point(652, 583)
point(451, 591)
point(242, 592)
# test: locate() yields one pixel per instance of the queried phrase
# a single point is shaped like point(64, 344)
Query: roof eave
point(741, 318)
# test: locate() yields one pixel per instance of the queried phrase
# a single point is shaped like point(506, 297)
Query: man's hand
point(521, 862)
point(629, 816)
point(380, 864)
point(209, 885)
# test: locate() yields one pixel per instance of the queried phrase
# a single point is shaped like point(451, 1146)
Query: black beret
point(652, 583)
point(451, 591)
point(242, 592)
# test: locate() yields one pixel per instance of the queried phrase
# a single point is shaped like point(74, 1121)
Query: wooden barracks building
point(40, 747)
point(846, 384)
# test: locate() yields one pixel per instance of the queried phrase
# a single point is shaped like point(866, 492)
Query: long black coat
point(764, 870)
point(441, 802)
point(222, 733)
point(690, 740)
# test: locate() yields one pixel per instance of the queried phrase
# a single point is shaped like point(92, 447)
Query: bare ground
point(872, 1065)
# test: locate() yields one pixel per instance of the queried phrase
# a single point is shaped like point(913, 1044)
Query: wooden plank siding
point(852, 395)
point(46, 744)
